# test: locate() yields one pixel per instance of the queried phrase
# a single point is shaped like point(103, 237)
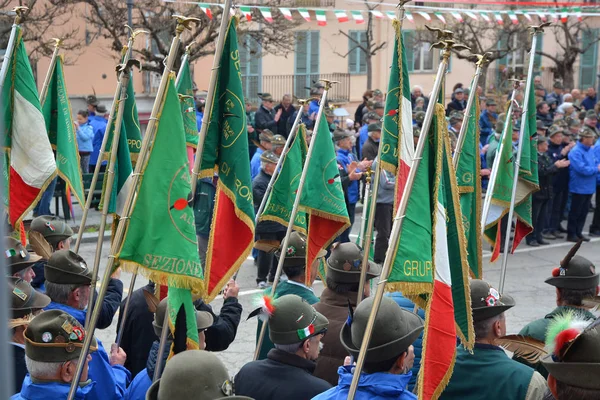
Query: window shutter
point(314, 49)
point(362, 66)
point(537, 58)
point(353, 53)
point(409, 47)
point(301, 52)
point(588, 60)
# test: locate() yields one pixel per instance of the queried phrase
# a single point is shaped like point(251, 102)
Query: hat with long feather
point(575, 272)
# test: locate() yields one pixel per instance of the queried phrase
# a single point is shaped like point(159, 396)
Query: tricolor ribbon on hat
point(306, 332)
point(50, 226)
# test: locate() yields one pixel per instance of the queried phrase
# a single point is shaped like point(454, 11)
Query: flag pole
point(311, 147)
point(536, 31)
point(88, 202)
point(481, 61)
point(44, 91)
point(182, 24)
point(124, 76)
point(447, 45)
point(363, 220)
point(212, 88)
point(368, 235)
point(492, 183)
point(19, 10)
point(288, 142)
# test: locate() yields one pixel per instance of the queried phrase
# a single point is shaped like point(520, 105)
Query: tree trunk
point(483, 78)
point(569, 79)
point(369, 71)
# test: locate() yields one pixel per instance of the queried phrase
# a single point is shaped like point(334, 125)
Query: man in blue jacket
point(98, 122)
point(487, 120)
point(68, 282)
point(590, 99)
point(53, 342)
point(583, 173)
point(389, 359)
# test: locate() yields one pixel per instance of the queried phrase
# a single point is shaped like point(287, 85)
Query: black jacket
point(282, 124)
point(265, 119)
point(138, 334)
point(546, 169)
point(560, 180)
point(259, 187)
point(545, 118)
point(19, 367)
point(369, 149)
point(455, 105)
point(281, 376)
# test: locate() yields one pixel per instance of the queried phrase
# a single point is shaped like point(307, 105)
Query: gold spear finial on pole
point(185, 22)
point(442, 34)
point(481, 60)
point(535, 29)
point(303, 101)
point(126, 66)
point(20, 11)
point(401, 3)
point(188, 48)
point(57, 42)
point(328, 83)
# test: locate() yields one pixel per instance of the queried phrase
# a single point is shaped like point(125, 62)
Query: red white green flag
point(266, 13)
point(341, 15)
point(304, 13)
point(397, 143)
point(29, 163)
point(485, 17)
point(321, 17)
point(423, 14)
point(226, 149)
point(440, 17)
point(378, 14)
point(457, 16)
point(357, 16)
point(286, 13)
point(206, 9)
point(246, 12)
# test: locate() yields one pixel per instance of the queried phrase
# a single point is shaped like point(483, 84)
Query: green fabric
point(398, 88)
point(487, 373)
point(283, 288)
point(161, 235)
point(63, 138)
point(185, 87)
point(226, 144)
point(183, 297)
point(281, 200)
point(122, 170)
point(132, 122)
point(469, 184)
point(537, 330)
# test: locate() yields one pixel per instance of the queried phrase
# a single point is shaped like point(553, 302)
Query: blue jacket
point(485, 125)
point(597, 154)
point(344, 158)
point(378, 386)
point(53, 391)
point(199, 116)
point(362, 138)
point(583, 170)
point(99, 126)
point(139, 386)
point(111, 381)
point(255, 163)
point(313, 107)
point(418, 344)
point(589, 102)
point(85, 134)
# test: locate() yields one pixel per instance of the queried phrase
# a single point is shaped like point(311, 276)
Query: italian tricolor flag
point(321, 17)
point(286, 13)
point(471, 15)
point(424, 15)
point(397, 135)
point(377, 14)
point(266, 13)
point(341, 15)
point(457, 16)
point(440, 17)
point(513, 17)
point(358, 17)
point(485, 17)
point(206, 9)
point(499, 19)
point(304, 13)
point(247, 12)
point(28, 157)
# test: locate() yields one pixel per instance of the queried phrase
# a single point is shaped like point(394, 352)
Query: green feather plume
point(558, 324)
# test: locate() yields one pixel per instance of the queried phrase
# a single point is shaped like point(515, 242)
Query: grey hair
point(483, 328)
point(289, 348)
point(21, 273)
point(58, 292)
point(42, 369)
point(286, 95)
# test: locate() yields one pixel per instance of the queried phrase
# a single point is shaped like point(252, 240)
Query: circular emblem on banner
point(330, 181)
point(388, 118)
point(178, 201)
point(234, 118)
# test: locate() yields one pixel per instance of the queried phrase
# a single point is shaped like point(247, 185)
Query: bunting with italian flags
point(247, 12)
point(321, 18)
point(304, 13)
point(398, 149)
point(226, 150)
point(468, 168)
point(341, 16)
point(322, 196)
point(63, 138)
point(286, 13)
point(206, 9)
point(29, 164)
point(266, 13)
point(357, 16)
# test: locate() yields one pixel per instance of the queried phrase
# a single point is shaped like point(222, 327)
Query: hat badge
point(50, 226)
point(10, 253)
point(492, 298)
point(291, 251)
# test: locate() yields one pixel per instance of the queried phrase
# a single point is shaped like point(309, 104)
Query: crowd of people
point(310, 342)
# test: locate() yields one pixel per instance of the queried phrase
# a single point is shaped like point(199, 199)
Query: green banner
point(63, 137)
point(185, 88)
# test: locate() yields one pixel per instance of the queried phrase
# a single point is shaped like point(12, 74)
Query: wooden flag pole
point(290, 226)
point(212, 88)
point(124, 75)
point(536, 31)
point(492, 183)
point(481, 61)
point(368, 235)
point(44, 91)
point(447, 45)
point(182, 24)
point(88, 203)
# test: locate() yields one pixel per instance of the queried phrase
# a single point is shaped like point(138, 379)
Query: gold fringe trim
point(389, 167)
point(196, 285)
point(282, 222)
point(409, 288)
point(466, 189)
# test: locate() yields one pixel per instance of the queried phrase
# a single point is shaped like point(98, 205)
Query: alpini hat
point(193, 374)
point(587, 132)
point(278, 140)
point(486, 302)
point(269, 157)
point(344, 264)
point(24, 299)
point(55, 336)
point(340, 134)
point(575, 272)
point(395, 329)
point(52, 228)
point(295, 254)
point(374, 128)
point(575, 346)
point(265, 96)
point(66, 267)
point(16, 257)
point(266, 136)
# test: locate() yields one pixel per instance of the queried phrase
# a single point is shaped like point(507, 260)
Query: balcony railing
point(297, 85)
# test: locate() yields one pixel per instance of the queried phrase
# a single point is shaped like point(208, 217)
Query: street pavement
point(526, 272)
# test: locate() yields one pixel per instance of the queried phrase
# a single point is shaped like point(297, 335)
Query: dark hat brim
point(290, 337)
point(582, 375)
point(152, 393)
point(387, 350)
point(60, 276)
point(485, 312)
point(298, 261)
point(341, 276)
point(574, 282)
point(21, 265)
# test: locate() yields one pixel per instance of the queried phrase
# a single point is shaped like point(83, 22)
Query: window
point(588, 61)
point(165, 39)
point(418, 56)
point(307, 62)
point(251, 67)
point(357, 60)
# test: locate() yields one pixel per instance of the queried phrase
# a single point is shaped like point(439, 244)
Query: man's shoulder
point(536, 329)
